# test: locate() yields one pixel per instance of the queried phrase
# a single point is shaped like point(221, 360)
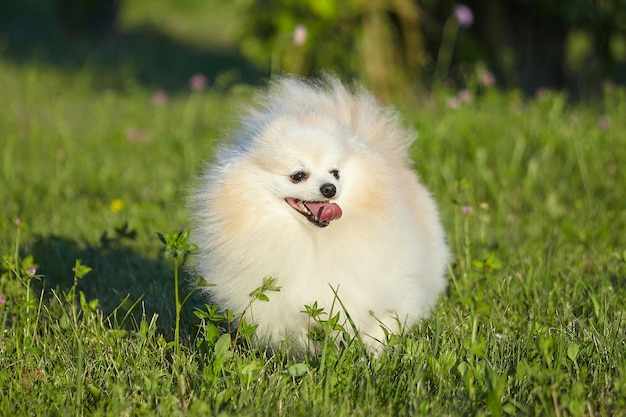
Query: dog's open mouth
point(320, 213)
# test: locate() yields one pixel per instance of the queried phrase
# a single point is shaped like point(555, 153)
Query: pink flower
point(465, 96)
point(159, 98)
point(134, 134)
point(198, 81)
point(464, 15)
point(467, 210)
point(604, 122)
point(452, 103)
point(299, 35)
point(487, 79)
point(18, 222)
point(2, 299)
point(31, 271)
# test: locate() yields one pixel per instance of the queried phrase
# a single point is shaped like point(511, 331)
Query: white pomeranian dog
point(317, 192)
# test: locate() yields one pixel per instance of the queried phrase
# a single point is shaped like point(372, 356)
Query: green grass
point(533, 322)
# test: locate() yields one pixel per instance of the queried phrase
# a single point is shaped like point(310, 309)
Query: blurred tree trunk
point(526, 42)
point(391, 45)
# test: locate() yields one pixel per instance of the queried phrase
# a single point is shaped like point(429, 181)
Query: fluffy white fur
point(386, 255)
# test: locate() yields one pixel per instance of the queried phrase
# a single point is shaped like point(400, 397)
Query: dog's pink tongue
point(325, 212)
point(330, 212)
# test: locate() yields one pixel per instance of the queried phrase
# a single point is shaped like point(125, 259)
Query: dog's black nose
point(328, 190)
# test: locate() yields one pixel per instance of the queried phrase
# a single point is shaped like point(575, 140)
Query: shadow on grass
point(30, 33)
point(121, 278)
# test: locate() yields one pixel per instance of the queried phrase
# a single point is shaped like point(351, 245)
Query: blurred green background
point(576, 45)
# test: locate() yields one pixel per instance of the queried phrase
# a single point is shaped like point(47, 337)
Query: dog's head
point(320, 209)
point(303, 165)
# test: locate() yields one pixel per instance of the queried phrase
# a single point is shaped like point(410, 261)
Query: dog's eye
point(335, 173)
point(299, 176)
